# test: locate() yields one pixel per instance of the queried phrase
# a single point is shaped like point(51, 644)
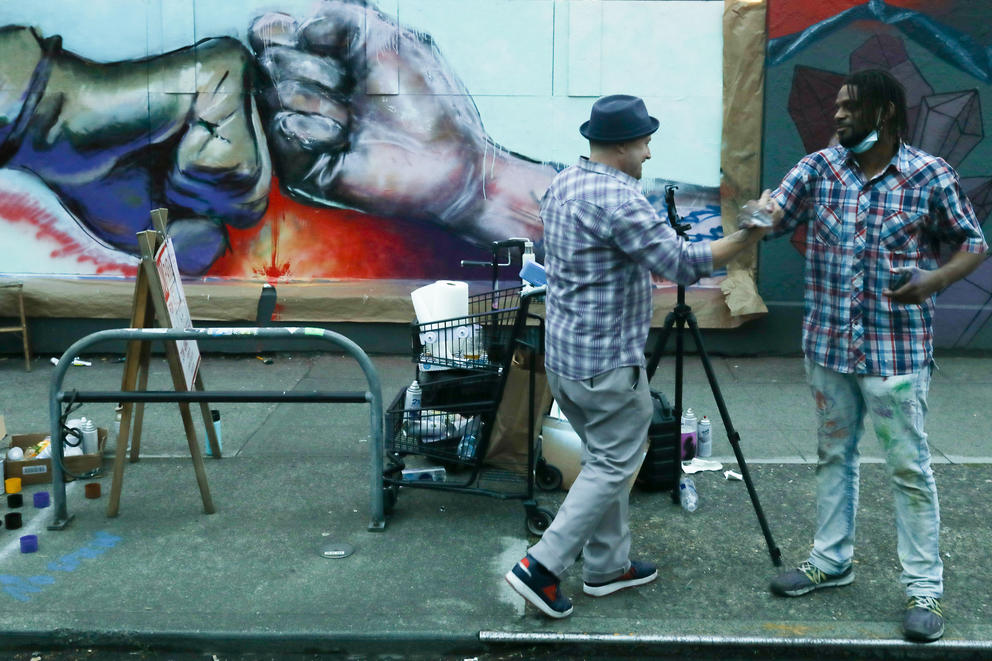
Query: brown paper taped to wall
point(359, 301)
point(744, 42)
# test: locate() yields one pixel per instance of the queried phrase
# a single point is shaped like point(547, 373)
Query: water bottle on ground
point(688, 497)
point(704, 438)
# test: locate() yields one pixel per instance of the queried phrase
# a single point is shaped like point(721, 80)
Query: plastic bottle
point(118, 416)
point(689, 434)
point(704, 438)
point(526, 255)
point(688, 497)
point(412, 402)
point(215, 420)
point(466, 446)
point(90, 442)
point(72, 439)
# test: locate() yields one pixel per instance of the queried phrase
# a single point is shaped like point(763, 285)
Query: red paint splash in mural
point(297, 242)
point(24, 209)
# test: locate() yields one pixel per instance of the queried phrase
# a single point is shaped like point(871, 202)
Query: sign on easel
point(175, 303)
point(159, 300)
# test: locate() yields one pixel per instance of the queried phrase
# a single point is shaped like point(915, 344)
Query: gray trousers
point(611, 413)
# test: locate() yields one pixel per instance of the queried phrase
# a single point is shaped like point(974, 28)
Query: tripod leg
point(734, 437)
point(659, 347)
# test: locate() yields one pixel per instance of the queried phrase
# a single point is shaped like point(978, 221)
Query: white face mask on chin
point(867, 143)
point(870, 139)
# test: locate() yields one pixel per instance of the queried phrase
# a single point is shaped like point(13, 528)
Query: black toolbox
point(662, 465)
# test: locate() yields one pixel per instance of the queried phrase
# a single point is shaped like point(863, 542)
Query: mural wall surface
point(306, 140)
point(940, 51)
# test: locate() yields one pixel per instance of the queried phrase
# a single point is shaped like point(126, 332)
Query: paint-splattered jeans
point(898, 407)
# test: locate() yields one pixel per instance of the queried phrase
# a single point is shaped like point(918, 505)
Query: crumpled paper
point(697, 465)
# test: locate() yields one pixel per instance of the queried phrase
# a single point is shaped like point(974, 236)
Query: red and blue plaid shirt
point(602, 241)
point(858, 230)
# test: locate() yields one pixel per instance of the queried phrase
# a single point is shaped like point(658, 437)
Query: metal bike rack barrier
point(373, 396)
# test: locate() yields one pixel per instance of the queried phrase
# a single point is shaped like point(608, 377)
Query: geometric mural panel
point(811, 105)
point(968, 308)
point(887, 52)
point(979, 191)
point(949, 125)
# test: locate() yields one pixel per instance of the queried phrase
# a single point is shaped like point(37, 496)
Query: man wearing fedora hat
point(603, 240)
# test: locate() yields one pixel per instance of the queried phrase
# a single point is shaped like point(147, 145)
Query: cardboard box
point(39, 471)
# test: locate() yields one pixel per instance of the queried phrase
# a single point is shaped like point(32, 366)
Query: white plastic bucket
point(562, 448)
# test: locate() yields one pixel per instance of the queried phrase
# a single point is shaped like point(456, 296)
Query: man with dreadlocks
point(876, 211)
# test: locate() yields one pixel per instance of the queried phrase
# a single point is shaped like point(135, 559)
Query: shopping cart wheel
point(538, 520)
point(548, 477)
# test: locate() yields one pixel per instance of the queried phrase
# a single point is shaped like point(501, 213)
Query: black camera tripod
point(678, 318)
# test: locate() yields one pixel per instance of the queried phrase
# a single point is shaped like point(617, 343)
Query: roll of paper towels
point(444, 299)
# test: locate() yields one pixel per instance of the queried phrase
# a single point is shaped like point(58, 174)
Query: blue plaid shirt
point(857, 230)
point(602, 241)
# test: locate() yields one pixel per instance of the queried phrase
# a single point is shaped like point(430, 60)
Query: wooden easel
point(148, 308)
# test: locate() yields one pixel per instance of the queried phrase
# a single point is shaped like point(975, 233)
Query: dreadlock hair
point(873, 90)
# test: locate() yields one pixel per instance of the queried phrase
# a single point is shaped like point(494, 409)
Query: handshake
point(762, 213)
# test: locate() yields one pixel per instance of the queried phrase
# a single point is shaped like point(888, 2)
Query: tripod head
point(673, 214)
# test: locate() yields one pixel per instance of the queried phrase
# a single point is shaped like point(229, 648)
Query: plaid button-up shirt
point(602, 241)
point(858, 230)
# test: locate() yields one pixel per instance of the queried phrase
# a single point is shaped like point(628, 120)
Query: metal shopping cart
point(463, 364)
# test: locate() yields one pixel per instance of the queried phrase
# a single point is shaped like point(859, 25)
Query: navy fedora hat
point(617, 118)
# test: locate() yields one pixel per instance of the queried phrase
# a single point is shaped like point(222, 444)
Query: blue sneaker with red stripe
point(638, 574)
point(539, 587)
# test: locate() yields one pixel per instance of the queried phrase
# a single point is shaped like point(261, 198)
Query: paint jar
point(12, 485)
point(42, 499)
point(12, 520)
point(29, 543)
point(92, 490)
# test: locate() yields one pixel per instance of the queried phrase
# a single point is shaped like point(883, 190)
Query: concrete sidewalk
point(295, 479)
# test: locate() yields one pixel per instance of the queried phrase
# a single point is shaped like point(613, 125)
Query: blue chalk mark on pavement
point(22, 589)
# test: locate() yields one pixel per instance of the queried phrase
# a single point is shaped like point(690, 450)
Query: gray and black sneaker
point(924, 619)
point(806, 578)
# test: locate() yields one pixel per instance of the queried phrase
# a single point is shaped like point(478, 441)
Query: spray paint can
point(412, 402)
point(689, 434)
point(704, 438)
point(90, 442)
point(118, 414)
